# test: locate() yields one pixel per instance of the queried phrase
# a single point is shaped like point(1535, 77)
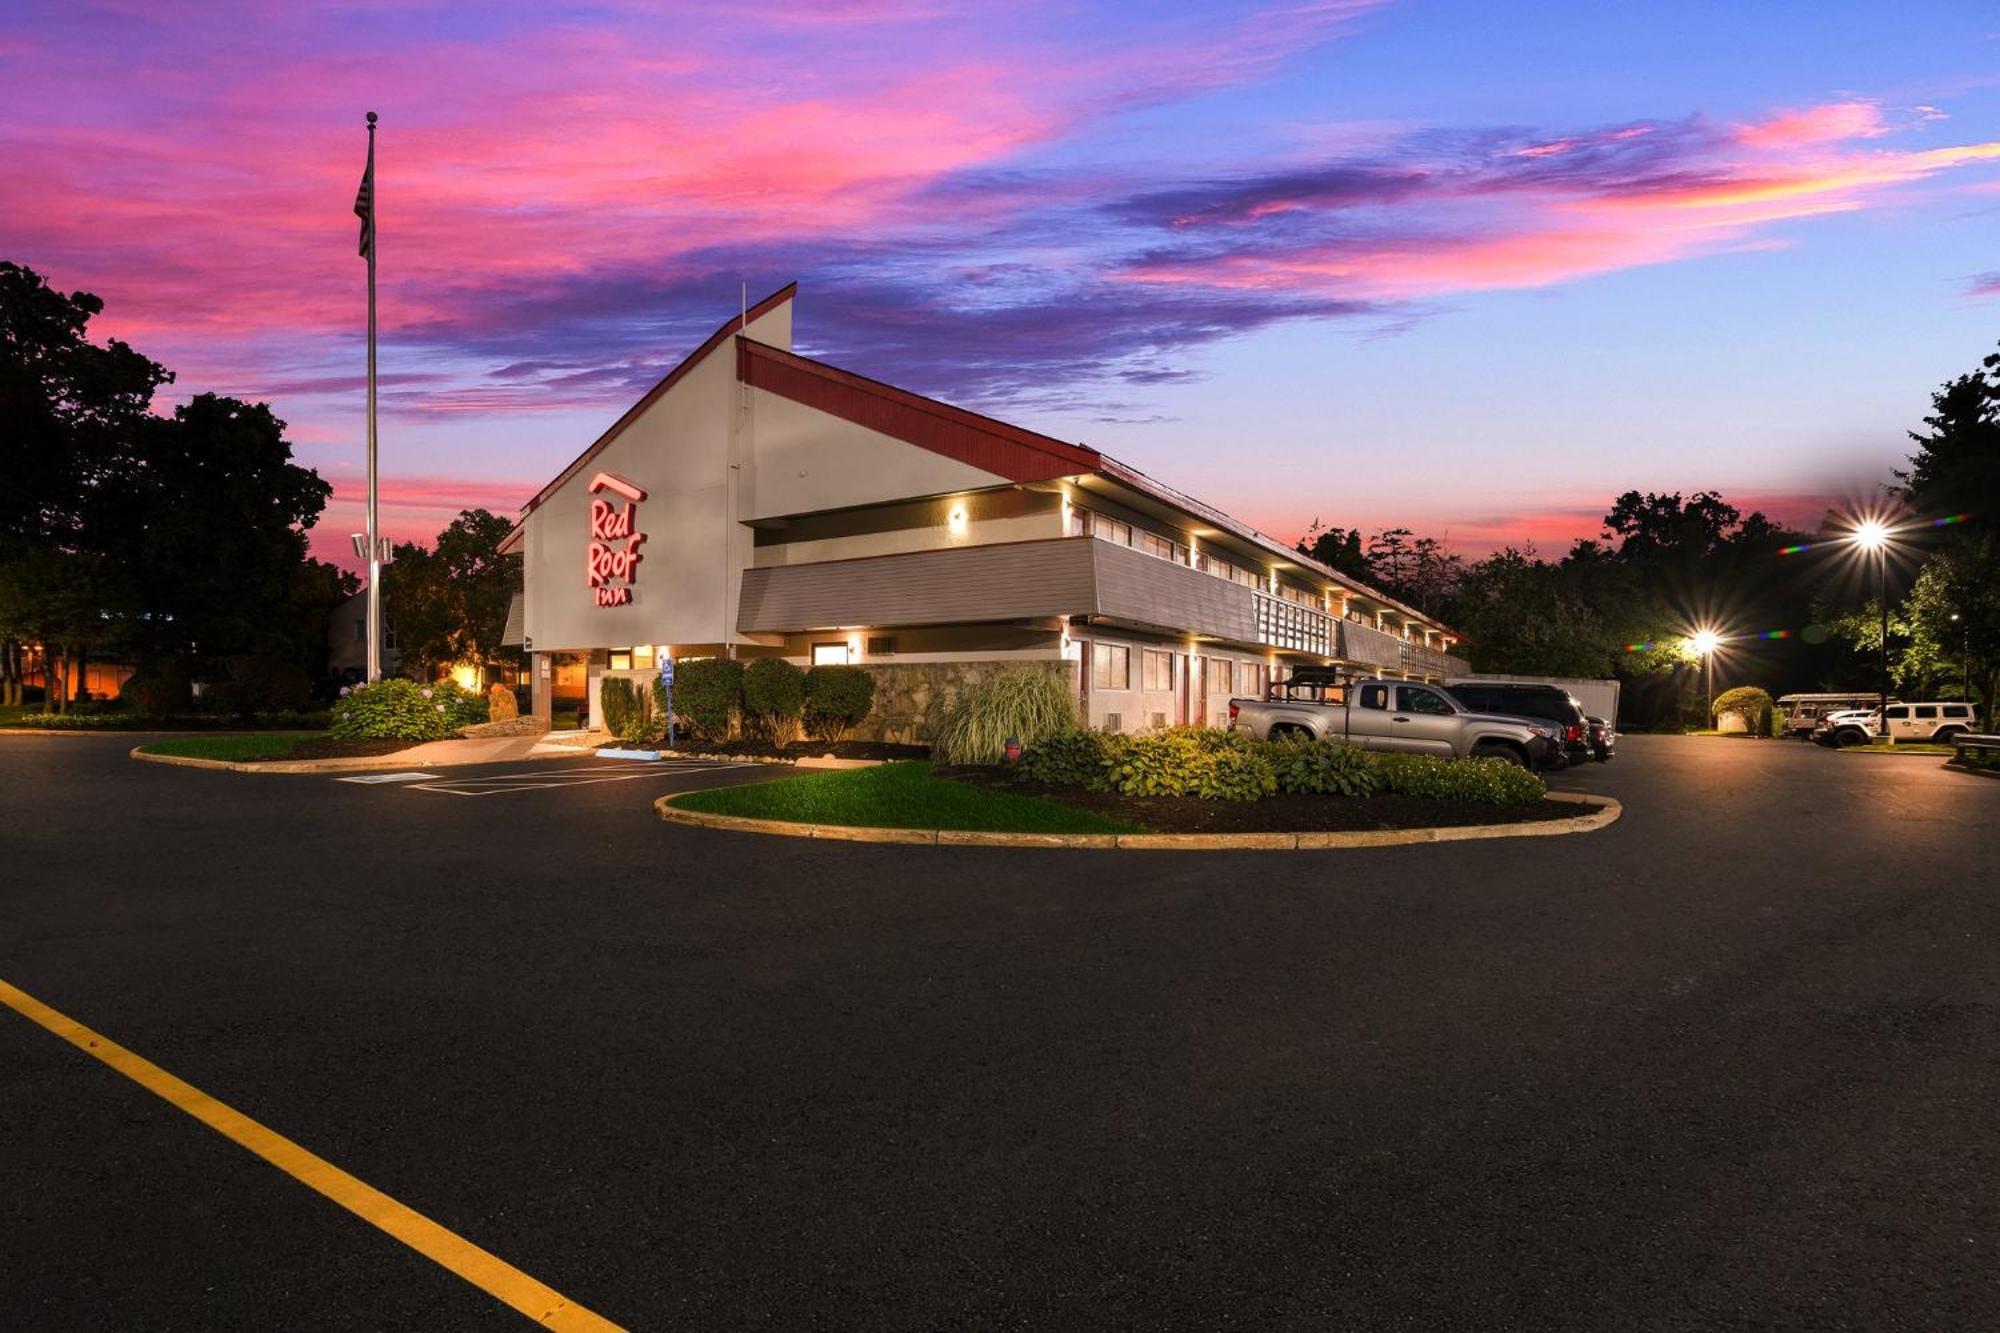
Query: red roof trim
point(975, 440)
point(736, 324)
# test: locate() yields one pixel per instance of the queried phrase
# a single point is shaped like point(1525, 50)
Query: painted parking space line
point(369, 778)
point(491, 1274)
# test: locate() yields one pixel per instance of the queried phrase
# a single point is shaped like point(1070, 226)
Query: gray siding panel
point(1005, 581)
point(1370, 646)
point(1132, 585)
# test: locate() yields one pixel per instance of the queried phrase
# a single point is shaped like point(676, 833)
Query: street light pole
point(1882, 587)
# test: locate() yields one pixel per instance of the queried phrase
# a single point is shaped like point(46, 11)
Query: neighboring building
point(347, 642)
point(758, 502)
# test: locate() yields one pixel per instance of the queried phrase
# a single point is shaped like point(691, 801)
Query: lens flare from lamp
point(1704, 642)
point(1871, 535)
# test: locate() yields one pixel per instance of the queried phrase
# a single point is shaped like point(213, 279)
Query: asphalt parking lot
point(1730, 1063)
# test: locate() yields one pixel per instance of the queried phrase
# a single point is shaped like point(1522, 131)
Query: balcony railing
point(1370, 646)
point(1433, 662)
point(1284, 624)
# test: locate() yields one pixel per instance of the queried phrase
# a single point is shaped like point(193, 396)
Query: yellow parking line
point(490, 1274)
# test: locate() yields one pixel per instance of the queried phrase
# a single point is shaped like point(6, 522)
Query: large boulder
point(501, 704)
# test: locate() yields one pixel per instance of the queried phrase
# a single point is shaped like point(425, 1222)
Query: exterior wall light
point(956, 520)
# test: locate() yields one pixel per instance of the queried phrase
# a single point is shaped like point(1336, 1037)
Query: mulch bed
point(332, 747)
point(1280, 813)
point(803, 749)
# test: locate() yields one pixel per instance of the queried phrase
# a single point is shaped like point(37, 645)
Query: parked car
point(1800, 714)
point(1542, 703)
point(1940, 722)
point(1603, 739)
point(1396, 715)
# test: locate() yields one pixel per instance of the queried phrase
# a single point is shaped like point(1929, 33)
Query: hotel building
point(757, 502)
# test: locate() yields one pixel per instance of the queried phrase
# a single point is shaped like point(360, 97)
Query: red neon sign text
point(612, 560)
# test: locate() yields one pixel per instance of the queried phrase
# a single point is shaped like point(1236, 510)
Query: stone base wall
point(910, 696)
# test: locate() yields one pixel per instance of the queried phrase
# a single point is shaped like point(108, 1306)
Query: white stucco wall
point(679, 452)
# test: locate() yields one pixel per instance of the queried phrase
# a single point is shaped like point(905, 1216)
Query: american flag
point(364, 202)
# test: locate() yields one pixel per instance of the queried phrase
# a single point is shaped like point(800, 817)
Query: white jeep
point(1940, 722)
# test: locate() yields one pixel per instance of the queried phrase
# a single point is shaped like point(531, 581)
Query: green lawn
point(1902, 747)
point(257, 745)
point(904, 795)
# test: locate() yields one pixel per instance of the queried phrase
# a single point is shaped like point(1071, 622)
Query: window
point(1079, 522)
point(1957, 710)
point(1110, 666)
point(1249, 578)
point(1375, 696)
point(1157, 670)
point(361, 630)
point(1154, 544)
point(830, 654)
point(1221, 676)
point(1110, 530)
point(620, 660)
point(642, 657)
point(882, 647)
point(1431, 702)
point(1897, 712)
point(1927, 711)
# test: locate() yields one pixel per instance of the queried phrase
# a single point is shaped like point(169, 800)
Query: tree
point(72, 413)
point(1956, 471)
point(450, 604)
point(1336, 548)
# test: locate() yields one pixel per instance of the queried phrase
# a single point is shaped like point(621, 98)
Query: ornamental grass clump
point(1029, 706)
point(627, 709)
point(1323, 768)
point(1479, 781)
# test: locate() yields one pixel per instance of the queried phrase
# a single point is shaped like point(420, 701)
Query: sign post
point(667, 695)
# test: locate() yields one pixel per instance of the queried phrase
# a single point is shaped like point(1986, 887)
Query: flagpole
point(374, 540)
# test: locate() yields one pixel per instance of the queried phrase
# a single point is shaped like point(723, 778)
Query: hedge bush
point(707, 693)
point(1753, 703)
point(1229, 766)
point(1031, 706)
point(388, 710)
point(1080, 759)
point(267, 684)
point(1481, 781)
point(1189, 761)
point(774, 698)
point(160, 692)
point(617, 704)
point(837, 698)
point(1323, 768)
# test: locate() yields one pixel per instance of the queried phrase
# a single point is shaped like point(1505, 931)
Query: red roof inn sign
point(614, 540)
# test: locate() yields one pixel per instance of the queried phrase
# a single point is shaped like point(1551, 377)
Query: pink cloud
point(1830, 123)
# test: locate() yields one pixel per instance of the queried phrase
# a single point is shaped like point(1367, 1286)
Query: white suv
point(1939, 722)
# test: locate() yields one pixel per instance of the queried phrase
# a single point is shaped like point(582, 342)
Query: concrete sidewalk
point(429, 754)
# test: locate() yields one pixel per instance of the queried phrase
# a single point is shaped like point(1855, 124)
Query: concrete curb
point(1155, 842)
point(353, 764)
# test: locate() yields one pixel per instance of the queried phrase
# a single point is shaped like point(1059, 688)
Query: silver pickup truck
point(1398, 715)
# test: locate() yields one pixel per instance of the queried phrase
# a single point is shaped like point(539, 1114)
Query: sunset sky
point(1470, 268)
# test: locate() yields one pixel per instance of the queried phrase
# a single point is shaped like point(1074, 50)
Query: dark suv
point(1549, 703)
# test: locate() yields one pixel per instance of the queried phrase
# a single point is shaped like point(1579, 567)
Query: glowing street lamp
point(1704, 642)
point(1872, 534)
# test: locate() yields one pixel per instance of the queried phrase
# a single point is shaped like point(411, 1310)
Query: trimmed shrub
point(1079, 759)
point(267, 684)
point(1750, 703)
point(1481, 781)
point(1031, 706)
point(617, 704)
point(1235, 772)
point(458, 706)
point(837, 698)
point(707, 693)
point(774, 697)
point(394, 709)
point(159, 693)
point(1323, 768)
